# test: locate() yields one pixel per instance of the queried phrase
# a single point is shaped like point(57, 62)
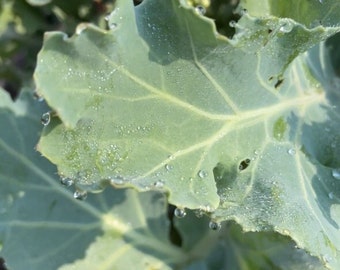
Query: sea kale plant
point(189, 142)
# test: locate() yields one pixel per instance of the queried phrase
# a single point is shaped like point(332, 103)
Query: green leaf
point(231, 248)
point(117, 229)
point(310, 13)
point(241, 128)
point(43, 225)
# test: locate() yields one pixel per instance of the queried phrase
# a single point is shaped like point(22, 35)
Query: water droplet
point(331, 195)
point(159, 184)
point(285, 232)
point(180, 213)
point(21, 194)
point(80, 195)
point(291, 151)
point(232, 23)
point(112, 25)
point(215, 226)
point(200, 10)
point(169, 167)
point(37, 97)
point(286, 27)
point(118, 180)
point(321, 1)
point(199, 213)
point(66, 181)
point(202, 174)
point(46, 118)
point(336, 173)
point(243, 11)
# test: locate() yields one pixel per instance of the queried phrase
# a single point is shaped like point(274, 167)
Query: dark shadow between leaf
point(2, 264)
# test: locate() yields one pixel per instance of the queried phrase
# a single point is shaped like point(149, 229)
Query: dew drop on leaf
point(180, 213)
point(66, 181)
point(37, 97)
point(243, 11)
point(118, 180)
point(202, 174)
point(169, 167)
point(46, 118)
point(200, 10)
point(336, 173)
point(199, 213)
point(232, 23)
point(112, 26)
point(286, 27)
point(331, 195)
point(159, 184)
point(215, 226)
point(291, 151)
point(80, 195)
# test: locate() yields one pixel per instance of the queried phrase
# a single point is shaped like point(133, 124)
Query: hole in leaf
point(174, 235)
point(244, 164)
point(278, 83)
point(2, 264)
point(222, 12)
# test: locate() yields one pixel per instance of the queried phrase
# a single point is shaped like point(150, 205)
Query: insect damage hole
point(244, 164)
point(278, 83)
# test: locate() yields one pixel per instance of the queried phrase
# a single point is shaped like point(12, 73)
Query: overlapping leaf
point(43, 225)
point(231, 248)
point(163, 101)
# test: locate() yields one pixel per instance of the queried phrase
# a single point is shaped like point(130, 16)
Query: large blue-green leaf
point(241, 128)
point(43, 227)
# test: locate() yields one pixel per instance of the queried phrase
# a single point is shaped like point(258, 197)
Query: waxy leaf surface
point(42, 226)
point(245, 128)
point(41, 222)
